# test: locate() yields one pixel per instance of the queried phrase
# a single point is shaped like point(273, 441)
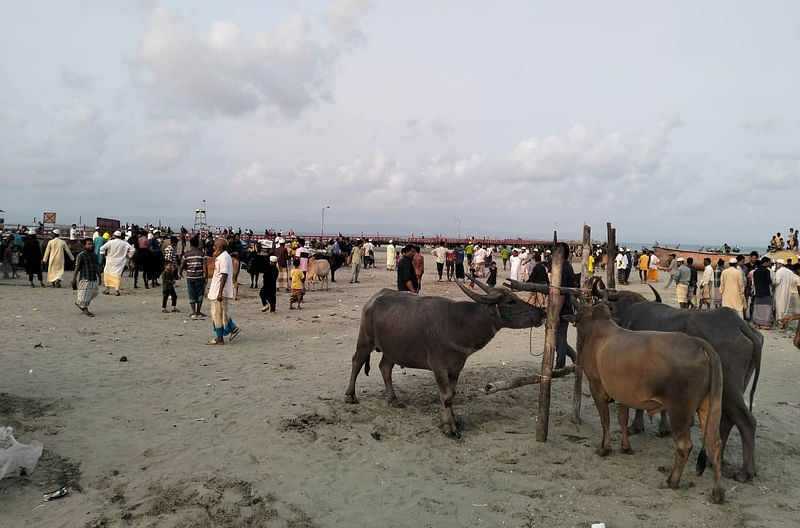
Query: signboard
point(49, 218)
point(107, 224)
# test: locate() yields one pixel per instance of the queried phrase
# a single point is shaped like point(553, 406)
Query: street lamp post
point(459, 227)
point(322, 228)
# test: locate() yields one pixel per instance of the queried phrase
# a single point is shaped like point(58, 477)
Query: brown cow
point(654, 371)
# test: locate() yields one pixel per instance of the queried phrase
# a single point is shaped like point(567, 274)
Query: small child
point(168, 287)
point(296, 293)
point(492, 280)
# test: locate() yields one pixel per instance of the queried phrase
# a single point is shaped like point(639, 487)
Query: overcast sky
point(676, 121)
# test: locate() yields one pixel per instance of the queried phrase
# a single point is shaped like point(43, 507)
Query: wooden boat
point(786, 255)
point(663, 254)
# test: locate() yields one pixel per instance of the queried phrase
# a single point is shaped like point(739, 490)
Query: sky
point(676, 121)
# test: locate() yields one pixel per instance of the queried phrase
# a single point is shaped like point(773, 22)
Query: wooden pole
point(502, 385)
point(576, 391)
point(553, 316)
point(611, 248)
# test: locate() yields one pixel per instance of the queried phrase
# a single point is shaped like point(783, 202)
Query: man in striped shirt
point(192, 267)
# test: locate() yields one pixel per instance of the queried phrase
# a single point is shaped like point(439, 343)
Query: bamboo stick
point(553, 314)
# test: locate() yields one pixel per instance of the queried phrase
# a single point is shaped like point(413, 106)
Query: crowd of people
point(758, 288)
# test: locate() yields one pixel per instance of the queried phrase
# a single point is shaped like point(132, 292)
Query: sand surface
point(257, 433)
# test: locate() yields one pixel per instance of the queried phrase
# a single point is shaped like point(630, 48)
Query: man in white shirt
point(784, 283)
point(619, 263)
point(706, 281)
point(441, 257)
point(116, 252)
point(479, 260)
point(220, 293)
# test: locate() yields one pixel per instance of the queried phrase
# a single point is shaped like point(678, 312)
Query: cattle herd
point(640, 354)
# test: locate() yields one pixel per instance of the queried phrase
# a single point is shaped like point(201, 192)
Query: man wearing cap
point(269, 288)
point(391, 256)
point(784, 282)
point(682, 277)
point(731, 287)
point(54, 256)
point(116, 253)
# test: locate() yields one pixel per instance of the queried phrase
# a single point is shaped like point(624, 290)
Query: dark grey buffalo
point(436, 334)
point(738, 346)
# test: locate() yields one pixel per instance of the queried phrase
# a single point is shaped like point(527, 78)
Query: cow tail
point(711, 441)
point(366, 366)
point(755, 361)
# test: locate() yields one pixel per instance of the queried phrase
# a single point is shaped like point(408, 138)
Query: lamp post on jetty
point(322, 227)
point(459, 228)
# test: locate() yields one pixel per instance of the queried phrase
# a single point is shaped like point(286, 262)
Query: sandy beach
point(257, 433)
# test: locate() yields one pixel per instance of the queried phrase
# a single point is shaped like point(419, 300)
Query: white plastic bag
point(15, 457)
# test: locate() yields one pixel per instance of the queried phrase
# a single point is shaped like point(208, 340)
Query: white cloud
point(583, 153)
point(225, 72)
point(60, 147)
point(343, 17)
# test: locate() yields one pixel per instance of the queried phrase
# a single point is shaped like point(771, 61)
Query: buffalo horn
point(491, 298)
point(598, 287)
point(658, 297)
point(481, 285)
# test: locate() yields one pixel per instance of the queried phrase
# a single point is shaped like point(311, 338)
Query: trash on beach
point(123, 359)
point(57, 494)
point(16, 458)
point(38, 345)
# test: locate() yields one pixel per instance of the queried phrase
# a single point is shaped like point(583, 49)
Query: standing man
point(116, 253)
point(356, 255)
point(54, 256)
point(283, 262)
point(643, 267)
point(192, 267)
point(706, 282)
point(619, 263)
point(406, 275)
point(563, 349)
point(671, 267)
point(368, 256)
point(419, 266)
point(515, 260)
point(450, 263)
point(653, 264)
point(458, 258)
point(504, 255)
point(87, 268)
point(732, 288)
point(682, 278)
point(220, 294)
point(268, 290)
point(628, 265)
point(391, 256)
point(441, 257)
point(479, 258)
point(784, 283)
point(762, 295)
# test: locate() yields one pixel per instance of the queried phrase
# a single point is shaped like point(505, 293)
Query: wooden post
point(553, 319)
point(576, 392)
point(611, 248)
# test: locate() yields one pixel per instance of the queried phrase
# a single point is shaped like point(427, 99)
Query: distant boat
point(663, 254)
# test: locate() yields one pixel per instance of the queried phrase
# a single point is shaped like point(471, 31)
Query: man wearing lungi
point(220, 294)
point(87, 269)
